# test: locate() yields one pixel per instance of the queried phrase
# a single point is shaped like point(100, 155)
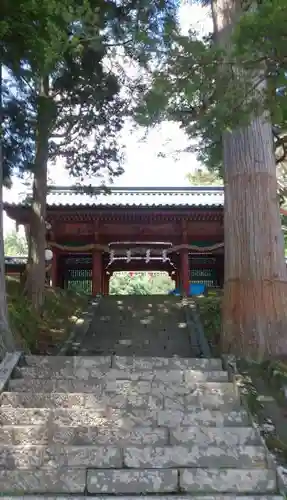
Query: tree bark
point(37, 230)
point(255, 289)
point(7, 341)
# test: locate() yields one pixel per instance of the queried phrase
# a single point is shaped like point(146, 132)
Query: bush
point(38, 333)
point(210, 315)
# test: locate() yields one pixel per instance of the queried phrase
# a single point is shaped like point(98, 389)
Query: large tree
point(255, 290)
point(224, 90)
point(59, 95)
point(67, 100)
point(15, 21)
point(15, 24)
point(6, 337)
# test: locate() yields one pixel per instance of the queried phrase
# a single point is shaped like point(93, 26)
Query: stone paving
point(138, 325)
point(130, 426)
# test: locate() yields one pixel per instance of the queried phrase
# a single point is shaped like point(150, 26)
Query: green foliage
point(267, 379)
point(140, 284)
point(203, 177)
point(251, 396)
point(210, 90)
point(284, 228)
point(15, 244)
point(210, 315)
point(60, 82)
point(274, 373)
point(80, 49)
point(38, 333)
point(67, 92)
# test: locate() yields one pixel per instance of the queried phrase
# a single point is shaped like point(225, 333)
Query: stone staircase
point(140, 326)
point(133, 426)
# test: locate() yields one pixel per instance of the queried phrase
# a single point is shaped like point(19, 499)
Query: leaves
point(209, 91)
point(33, 330)
point(83, 101)
point(79, 47)
point(67, 93)
point(210, 315)
point(203, 177)
point(15, 244)
point(140, 283)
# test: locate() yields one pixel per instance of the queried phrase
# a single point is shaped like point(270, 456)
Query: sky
point(143, 166)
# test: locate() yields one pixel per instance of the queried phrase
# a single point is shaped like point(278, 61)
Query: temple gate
point(94, 233)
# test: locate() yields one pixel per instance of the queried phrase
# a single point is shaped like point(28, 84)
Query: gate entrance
point(76, 272)
point(96, 233)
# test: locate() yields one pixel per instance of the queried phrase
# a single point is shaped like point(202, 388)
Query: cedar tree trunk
point(255, 289)
point(7, 341)
point(37, 230)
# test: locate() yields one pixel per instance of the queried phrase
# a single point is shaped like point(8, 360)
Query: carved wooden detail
point(138, 230)
point(204, 229)
point(111, 232)
point(81, 229)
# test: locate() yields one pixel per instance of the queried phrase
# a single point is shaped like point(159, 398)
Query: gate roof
point(131, 197)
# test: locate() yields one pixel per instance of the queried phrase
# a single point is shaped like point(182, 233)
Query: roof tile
point(136, 197)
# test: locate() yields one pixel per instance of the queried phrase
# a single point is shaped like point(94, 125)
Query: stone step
point(154, 399)
point(68, 361)
point(129, 482)
point(98, 387)
point(85, 435)
point(242, 481)
point(126, 362)
point(60, 385)
point(146, 363)
point(55, 480)
point(240, 457)
point(157, 436)
point(198, 417)
point(198, 480)
point(122, 417)
point(219, 436)
point(164, 375)
point(57, 456)
point(171, 389)
point(150, 497)
point(111, 457)
point(79, 400)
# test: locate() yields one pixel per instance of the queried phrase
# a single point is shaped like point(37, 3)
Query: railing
point(76, 272)
point(78, 280)
point(17, 260)
point(197, 336)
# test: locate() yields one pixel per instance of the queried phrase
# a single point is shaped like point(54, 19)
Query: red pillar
point(105, 283)
point(177, 278)
point(184, 272)
point(174, 275)
point(184, 263)
point(97, 273)
point(54, 269)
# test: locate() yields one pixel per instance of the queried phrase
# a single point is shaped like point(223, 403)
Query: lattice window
point(78, 273)
point(206, 277)
point(199, 261)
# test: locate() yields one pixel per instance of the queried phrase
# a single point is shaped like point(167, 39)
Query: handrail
point(197, 335)
point(80, 331)
point(7, 366)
